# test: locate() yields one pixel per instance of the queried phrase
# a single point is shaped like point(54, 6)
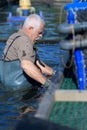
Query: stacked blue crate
point(76, 29)
point(78, 53)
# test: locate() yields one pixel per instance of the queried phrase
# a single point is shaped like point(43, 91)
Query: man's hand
point(47, 83)
point(54, 80)
point(44, 68)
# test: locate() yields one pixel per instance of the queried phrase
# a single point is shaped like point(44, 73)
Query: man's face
point(37, 33)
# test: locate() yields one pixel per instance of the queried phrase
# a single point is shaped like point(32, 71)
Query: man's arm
point(33, 71)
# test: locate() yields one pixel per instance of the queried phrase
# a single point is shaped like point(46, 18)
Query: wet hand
point(47, 83)
point(44, 68)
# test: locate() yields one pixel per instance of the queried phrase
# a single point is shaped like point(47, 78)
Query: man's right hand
point(44, 68)
point(47, 83)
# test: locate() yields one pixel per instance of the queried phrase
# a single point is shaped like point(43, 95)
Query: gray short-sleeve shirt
point(22, 48)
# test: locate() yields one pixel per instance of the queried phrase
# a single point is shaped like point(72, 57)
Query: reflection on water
point(12, 105)
point(8, 112)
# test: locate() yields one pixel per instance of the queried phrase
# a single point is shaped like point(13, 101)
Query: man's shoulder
point(18, 38)
point(18, 35)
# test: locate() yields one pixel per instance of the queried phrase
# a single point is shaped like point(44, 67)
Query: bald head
point(33, 20)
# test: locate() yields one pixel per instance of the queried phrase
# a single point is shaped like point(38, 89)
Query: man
point(21, 67)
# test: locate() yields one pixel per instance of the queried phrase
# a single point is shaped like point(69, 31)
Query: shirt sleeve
point(25, 49)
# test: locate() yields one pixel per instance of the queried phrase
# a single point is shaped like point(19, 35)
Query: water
point(12, 107)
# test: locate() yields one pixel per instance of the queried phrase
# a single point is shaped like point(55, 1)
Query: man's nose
point(41, 35)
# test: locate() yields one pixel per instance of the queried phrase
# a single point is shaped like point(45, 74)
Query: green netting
point(68, 83)
point(71, 114)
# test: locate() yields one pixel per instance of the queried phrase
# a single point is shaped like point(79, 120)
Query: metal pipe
point(70, 44)
point(66, 28)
